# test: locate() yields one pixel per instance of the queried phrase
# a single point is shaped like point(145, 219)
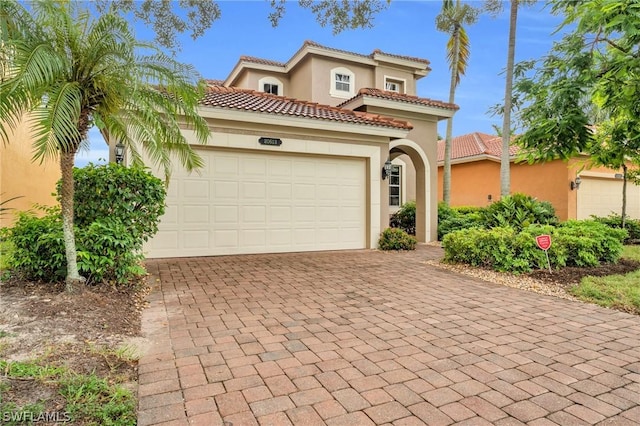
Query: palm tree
point(495, 7)
point(451, 20)
point(69, 71)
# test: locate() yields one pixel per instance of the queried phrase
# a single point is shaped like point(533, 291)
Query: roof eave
point(244, 65)
point(367, 100)
point(233, 114)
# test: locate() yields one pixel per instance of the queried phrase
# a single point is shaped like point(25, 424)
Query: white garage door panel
point(601, 197)
point(262, 203)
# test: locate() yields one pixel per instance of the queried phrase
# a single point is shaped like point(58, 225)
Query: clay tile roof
point(261, 61)
point(370, 56)
point(400, 97)
point(212, 82)
point(250, 100)
point(393, 55)
point(475, 144)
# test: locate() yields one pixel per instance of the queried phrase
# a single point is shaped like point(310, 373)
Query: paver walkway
point(365, 337)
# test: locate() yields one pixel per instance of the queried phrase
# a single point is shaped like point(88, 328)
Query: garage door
point(602, 196)
point(247, 202)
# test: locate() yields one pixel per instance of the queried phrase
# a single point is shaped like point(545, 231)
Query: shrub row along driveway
point(365, 337)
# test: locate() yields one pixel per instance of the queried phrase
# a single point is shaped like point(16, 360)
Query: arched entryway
point(425, 222)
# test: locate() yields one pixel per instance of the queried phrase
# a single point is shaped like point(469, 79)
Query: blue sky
point(405, 28)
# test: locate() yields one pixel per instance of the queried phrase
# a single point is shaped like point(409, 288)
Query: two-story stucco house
point(296, 157)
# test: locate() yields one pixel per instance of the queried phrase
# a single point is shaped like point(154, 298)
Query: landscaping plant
point(396, 239)
point(117, 210)
point(405, 218)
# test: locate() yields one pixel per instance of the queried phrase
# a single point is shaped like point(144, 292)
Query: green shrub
point(589, 243)
point(116, 210)
point(131, 194)
point(396, 239)
point(405, 218)
point(497, 248)
point(38, 246)
point(615, 221)
point(455, 218)
point(106, 250)
point(519, 211)
point(574, 243)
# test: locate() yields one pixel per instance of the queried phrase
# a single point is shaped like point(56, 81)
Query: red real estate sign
point(543, 242)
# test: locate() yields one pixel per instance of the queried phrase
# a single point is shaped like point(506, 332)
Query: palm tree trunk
point(446, 174)
point(66, 203)
point(505, 172)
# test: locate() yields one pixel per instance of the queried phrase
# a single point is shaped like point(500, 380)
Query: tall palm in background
point(68, 71)
point(495, 7)
point(451, 20)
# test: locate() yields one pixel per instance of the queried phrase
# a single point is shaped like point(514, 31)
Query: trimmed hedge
point(574, 243)
point(396, 239)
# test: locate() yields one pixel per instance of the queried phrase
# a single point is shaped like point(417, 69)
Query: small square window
point(270, 88)
point(394, 85)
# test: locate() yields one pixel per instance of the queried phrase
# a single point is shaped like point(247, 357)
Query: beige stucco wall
point(19, 176)
point(321, 79)
point(299, 80)
point(382, 71)
point(250, 79)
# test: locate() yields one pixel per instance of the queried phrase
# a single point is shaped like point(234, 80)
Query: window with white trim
point(271, 85)
point(395, 186)
point(394, 85)
point(270, 88)
point(342, 83)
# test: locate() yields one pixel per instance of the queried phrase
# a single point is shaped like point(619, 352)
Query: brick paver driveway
point(364, 337)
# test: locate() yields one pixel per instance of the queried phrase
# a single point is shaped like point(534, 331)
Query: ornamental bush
point(130, 194)
point(117, 209)
point(106, 250)
point(615, 221)
point(455, 218)
point(574, 243)
point(519, 211)
point(396, 239)
point(405, 218)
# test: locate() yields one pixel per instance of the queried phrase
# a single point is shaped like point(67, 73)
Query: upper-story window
point(394, 84)
point(342, 83)
point(270, 88)
point(271, 85)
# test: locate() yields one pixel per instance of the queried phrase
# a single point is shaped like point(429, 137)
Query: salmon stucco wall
point(33, 182)
point(477, 183)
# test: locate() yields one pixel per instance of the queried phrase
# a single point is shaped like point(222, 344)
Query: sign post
point(544, 243)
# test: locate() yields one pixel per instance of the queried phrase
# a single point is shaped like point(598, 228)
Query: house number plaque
point(270, 141)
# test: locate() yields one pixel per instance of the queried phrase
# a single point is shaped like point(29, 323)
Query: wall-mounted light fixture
point(575, 184)
point(618, 176)
point(386, 170)
point(119, 150)
point(489, 198)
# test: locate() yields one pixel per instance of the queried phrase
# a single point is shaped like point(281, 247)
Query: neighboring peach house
point(295, 159)
point(475, 180)
point(33, 182)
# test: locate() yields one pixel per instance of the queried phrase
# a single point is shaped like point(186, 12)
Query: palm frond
point(58, 122)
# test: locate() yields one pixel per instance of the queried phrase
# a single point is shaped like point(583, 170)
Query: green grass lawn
point(631, 252)
point(5, 252)
point(614, 291)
